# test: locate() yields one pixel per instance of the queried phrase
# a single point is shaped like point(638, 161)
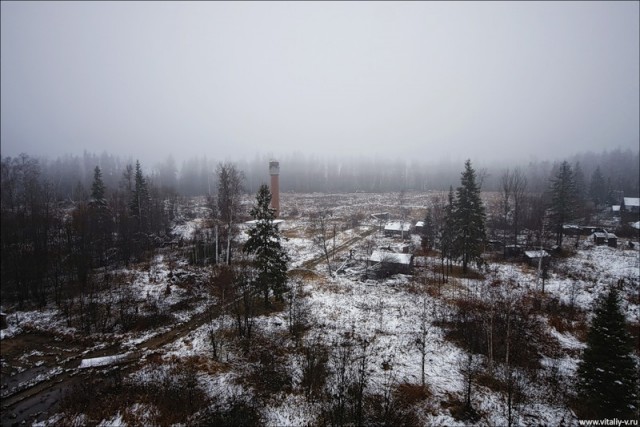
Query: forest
point(312, 173)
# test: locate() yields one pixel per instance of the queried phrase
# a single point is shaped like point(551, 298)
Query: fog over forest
point(303, 173)
point(430, 82)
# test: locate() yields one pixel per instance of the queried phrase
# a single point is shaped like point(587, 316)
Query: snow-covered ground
point(386, 313)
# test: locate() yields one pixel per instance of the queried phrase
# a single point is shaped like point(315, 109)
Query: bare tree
point(314, 367)
point(519, 192)
point(506, 195)
point(469, 367)
point(243, 305)
point(368, 245)
point(230, 186)
point(404, 211)
point(424, 325)
point(513, 187)
point(322, 234)
point(298, 309)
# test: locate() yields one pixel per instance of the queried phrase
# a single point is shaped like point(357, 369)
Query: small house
point(397, 228)
point(571, 230)
point(381, 216)
point(587, 230)
point(403, 248)
point(604, 238)
point(534, 257)
point(391, 262)
point(419, 227)
point(631, 204)
point(599, 238)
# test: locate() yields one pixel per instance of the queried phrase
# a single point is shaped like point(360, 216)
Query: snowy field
point(387, 314)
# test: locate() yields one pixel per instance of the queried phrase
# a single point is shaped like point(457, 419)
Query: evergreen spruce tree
point(563, 199)
point(598, 187)
point(607, 375)
point(469, 217)
point(428, 231)
point(140, 203)
point(580, 183)
point(265, 243)
point(97, 188)
point(100, 217)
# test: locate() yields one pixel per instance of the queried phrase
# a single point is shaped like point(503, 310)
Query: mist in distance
point(435, 82)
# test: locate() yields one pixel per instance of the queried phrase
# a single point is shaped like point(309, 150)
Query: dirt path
point(347, 244)
point(35, 401)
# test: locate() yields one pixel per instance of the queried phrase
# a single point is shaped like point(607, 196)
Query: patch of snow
point(117, 420)
point(567, 340)
point(103, 361)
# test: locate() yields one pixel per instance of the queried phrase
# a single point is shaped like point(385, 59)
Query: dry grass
point(485, 379)
point(304, 274)
point(331, 287)
point(293, 233)
point(470, 274)
point(566, 319)
point(459, 410)
point(410, 394)
point(173, 398)
point(273, 308)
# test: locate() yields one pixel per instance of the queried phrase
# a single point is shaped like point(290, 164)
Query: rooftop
point(397, 226)
point(379, 256)
point(536, 254)
point(605, 235)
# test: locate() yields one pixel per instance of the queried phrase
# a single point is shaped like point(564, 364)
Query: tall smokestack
point(274, 171)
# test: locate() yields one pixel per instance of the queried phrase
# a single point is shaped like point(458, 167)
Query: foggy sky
point(416, 80)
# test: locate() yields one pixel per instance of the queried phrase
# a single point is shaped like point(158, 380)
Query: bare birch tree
point(230, 186)
point(322, 234)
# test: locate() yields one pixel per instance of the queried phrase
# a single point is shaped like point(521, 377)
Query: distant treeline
point(63, 219)
point(302, 173)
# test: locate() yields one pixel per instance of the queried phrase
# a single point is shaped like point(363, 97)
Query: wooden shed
point(397, 228)
point(604, 238)
point(392, 262)
point(533, 257)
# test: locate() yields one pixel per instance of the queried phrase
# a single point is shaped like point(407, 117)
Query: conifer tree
point(580, 182)
point(563, 199)
point(100, 217)
point(598, 187)
point(607, 374)
point(97, 188)
point(428, 231)
point(265, 243)
point(469, 216)
point(139, 206)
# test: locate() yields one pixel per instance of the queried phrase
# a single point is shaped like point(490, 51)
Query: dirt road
point(34, 402)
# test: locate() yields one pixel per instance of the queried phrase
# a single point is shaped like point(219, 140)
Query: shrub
point(238, 413)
